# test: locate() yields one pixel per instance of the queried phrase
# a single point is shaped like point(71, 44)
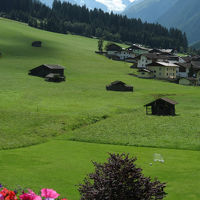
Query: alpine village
point(99, 99)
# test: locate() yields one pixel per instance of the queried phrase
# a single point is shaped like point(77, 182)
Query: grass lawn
point(61, 164)
point(65, 116)
point(136, 128)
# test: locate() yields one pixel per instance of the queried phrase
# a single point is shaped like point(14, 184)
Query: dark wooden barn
point(119, 86)
point(162, 106)
point(37, 44)
point(113, 47)
point(44, 70)
point(54, 78)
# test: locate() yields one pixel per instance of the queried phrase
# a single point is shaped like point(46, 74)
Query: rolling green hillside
point(77, 121)
point(33, 109)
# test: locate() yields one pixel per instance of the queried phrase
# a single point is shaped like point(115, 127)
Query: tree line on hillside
point(65, 17)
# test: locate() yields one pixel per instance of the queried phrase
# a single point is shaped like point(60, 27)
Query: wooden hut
point(37, 44)
point(44, 70)
point(119, 86)
point(54, 78)
point(161, 106)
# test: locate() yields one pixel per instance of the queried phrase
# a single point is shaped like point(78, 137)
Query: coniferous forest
point(67, 18)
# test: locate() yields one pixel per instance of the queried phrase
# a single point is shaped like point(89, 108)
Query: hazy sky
point(115, 5)
point(112, 5)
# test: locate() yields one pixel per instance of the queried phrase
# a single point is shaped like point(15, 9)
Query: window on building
point(160, 74)
point(167, 69)
point(167, 74)
point(160, 68)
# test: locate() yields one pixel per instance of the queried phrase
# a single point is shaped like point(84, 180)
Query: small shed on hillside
point(119, 86)
point(161, 106)
point(45, 69)
point(37, 44)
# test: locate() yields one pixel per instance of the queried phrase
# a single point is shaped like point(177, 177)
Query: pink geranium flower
point(49, 193)
point(1, 197)
point(30, 196)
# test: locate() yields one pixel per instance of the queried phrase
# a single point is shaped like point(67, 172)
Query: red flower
point(8, 194)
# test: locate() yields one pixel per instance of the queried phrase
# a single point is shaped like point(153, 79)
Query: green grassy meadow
point(63, 126)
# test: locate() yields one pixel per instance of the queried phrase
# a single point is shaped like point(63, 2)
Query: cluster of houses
point(158, 63)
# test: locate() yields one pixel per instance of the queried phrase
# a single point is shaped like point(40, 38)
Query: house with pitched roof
point(163, 70)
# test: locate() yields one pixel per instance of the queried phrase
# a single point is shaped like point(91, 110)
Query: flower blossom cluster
point(46, 194)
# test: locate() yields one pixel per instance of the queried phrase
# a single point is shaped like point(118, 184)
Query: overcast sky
point(115, 5)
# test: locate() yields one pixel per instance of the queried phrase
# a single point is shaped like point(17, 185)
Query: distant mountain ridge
point(182, 14)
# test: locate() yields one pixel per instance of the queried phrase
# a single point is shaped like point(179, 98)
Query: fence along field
point(34, 111)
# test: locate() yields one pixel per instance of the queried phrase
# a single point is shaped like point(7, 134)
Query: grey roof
point(164, 64)
point(153, 56)
point(196, 64)
point(164, 99)
point(185, 65)
point(167, 50)
point(54, 66)
point(117, 82)
point(186, 58)
point(135, 46)
point(144, 70)
point(52, 75)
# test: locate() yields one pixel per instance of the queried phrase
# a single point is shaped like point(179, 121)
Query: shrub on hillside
point(120, 179)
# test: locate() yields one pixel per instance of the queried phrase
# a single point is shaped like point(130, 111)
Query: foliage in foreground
point(120, 179)
point(6, 194)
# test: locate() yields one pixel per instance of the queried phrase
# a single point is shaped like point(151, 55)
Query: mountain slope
point(148, 10)
point(182, 14)
point(196, 45)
